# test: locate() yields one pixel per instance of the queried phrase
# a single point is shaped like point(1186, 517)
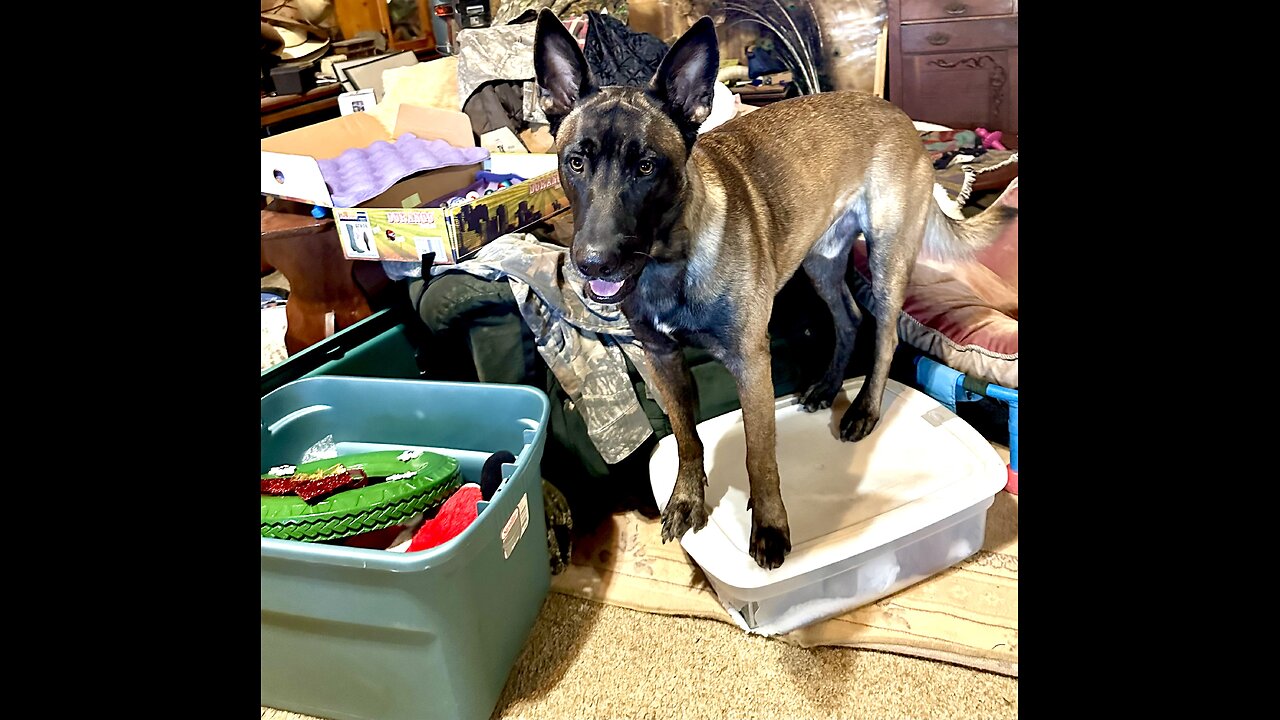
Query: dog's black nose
point(597, 264)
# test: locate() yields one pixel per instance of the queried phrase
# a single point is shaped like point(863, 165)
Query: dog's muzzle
point(608, 272)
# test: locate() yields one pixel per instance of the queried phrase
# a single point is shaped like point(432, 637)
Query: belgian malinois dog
point(695, 235)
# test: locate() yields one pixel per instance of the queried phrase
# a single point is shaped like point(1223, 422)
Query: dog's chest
point(664, 303)
point(668, 323)
point(696, 325)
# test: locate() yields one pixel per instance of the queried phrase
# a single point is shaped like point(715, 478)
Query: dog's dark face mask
point(622, 151)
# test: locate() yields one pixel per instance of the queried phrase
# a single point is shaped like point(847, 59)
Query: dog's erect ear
point(561, 69)
point(686, 79)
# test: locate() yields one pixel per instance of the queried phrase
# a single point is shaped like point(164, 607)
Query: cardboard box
point(393, 226)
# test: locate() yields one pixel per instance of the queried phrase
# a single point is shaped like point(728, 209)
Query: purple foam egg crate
point(360, 174)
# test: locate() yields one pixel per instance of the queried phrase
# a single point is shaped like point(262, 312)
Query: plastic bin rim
point(527, 389)
point(394, 561)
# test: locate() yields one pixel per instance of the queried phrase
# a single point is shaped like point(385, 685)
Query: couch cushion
point(964, 314)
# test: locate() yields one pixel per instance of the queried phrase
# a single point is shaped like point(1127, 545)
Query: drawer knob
point(956, 8)
point(938, 38)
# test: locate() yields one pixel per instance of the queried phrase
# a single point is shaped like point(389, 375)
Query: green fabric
point(483, 316)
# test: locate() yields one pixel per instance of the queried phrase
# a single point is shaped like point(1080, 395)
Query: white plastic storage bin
point(867, 518)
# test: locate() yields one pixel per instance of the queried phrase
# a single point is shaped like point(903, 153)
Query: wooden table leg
point(306, 251)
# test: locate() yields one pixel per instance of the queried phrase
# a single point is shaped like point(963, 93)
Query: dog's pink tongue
point(604, 288)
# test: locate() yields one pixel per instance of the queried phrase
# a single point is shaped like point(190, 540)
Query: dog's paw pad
point(769, 545)
point(683, 514)
point(859, 420)
point(818, 397)
point(855, 427)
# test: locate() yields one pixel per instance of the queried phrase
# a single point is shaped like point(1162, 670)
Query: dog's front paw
point(819, 396)
point(859, 420)
point(683, 513)
point(770, 543)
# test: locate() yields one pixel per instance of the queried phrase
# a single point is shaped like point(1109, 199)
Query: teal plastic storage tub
point(358, 633)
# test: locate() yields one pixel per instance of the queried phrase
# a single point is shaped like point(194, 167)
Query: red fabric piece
point(316, 490)
point(454, 516)
point(278, 486)
point(313, 491)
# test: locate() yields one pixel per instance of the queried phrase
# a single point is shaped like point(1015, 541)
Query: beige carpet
point(588, 660)
point(967, 614)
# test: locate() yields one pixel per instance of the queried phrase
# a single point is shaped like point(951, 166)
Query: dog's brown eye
point(646, 167)
point(575, 164)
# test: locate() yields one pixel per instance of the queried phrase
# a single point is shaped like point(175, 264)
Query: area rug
point(967, 615)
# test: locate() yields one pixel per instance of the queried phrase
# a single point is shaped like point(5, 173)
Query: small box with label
point(358, 101)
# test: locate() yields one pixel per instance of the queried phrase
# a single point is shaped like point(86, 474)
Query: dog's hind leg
point(826, 273)
point(893, 242)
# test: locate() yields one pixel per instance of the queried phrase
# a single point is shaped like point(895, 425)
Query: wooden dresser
point(955, 62)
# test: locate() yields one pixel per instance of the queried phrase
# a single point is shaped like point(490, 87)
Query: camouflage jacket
point(585, 344)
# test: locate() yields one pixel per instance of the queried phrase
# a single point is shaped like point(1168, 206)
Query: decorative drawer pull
point(938, 38)
point(956, 8)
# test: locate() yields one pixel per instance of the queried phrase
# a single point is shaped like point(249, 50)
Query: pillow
point(963, 314)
